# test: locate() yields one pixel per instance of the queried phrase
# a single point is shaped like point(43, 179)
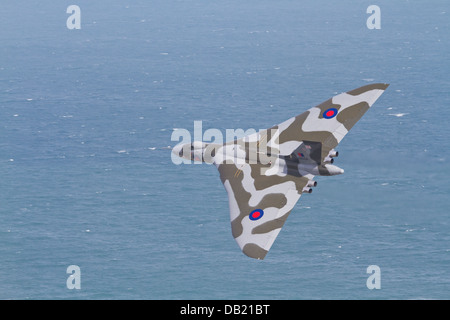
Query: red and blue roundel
point(256, 214)
point(330, 113)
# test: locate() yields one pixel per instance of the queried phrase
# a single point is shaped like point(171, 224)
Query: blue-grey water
point(86, 177)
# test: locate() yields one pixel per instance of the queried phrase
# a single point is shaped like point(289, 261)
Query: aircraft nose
point(177, 150)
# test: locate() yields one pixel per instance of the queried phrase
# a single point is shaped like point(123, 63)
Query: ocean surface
point(87, 116)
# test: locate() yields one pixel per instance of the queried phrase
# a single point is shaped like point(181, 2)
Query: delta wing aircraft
point(265, 173)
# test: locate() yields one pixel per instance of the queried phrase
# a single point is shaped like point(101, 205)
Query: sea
point(92, 206)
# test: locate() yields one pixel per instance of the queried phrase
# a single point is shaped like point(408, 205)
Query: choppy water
point(86, 178)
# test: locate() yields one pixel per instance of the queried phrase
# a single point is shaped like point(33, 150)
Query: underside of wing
point(259, 204)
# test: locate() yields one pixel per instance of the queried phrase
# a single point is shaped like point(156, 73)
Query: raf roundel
point(330, 113)
point(256, 214)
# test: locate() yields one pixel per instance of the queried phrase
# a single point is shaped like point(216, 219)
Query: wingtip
point(368, 87)
point(254, 251)
point(381, 84)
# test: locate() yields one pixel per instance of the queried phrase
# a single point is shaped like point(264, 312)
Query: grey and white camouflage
point(265, 173)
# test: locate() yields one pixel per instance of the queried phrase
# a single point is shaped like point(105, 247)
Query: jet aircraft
point(266, 173)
